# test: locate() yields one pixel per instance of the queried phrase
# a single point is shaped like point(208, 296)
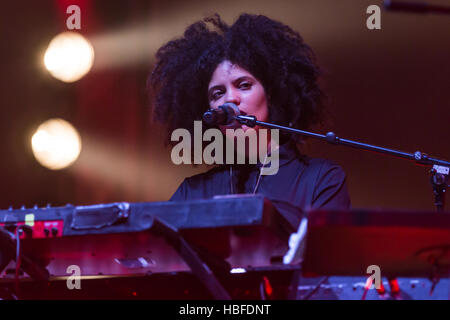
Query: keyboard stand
point(199, 268)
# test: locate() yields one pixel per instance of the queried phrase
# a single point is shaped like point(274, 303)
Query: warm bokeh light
point(56, 144)
point(69, 56)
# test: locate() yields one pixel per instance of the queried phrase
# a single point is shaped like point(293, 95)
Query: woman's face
point(231, 83)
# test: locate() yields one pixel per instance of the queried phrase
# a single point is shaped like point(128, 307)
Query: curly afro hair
point(271, 51)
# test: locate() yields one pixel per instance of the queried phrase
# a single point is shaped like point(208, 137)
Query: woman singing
point(265, 69)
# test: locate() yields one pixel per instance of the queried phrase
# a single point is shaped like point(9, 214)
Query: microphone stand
point(439, 172)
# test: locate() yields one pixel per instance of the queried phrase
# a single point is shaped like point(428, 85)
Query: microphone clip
point(247, 120)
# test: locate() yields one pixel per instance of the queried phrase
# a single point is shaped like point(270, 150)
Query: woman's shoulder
point(201, 185)
point(324, 173)
point(314, 164)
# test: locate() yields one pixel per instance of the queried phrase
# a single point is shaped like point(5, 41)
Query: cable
point(316, 288)
point(18, 258)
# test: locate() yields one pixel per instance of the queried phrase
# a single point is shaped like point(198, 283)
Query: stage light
point(238, 270)
point(69, 56)
point(56, 144)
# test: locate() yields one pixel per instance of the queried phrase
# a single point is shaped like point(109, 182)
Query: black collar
point(286, 153)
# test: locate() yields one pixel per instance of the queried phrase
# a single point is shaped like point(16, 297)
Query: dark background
point(387, 87)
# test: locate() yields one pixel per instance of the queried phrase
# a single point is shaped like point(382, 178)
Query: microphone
point(223, 115)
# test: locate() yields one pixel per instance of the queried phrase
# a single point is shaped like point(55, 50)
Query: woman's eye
point(215, 95)
point(245, 85)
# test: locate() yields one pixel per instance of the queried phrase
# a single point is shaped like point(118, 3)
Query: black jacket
point(301, 184)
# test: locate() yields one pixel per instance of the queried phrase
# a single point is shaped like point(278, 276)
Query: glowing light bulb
point(69, 56)
point(56, 144)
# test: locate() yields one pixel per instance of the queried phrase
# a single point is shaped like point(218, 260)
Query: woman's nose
point(233, 97)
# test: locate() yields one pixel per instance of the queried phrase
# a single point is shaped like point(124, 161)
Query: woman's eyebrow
point(243, 78)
